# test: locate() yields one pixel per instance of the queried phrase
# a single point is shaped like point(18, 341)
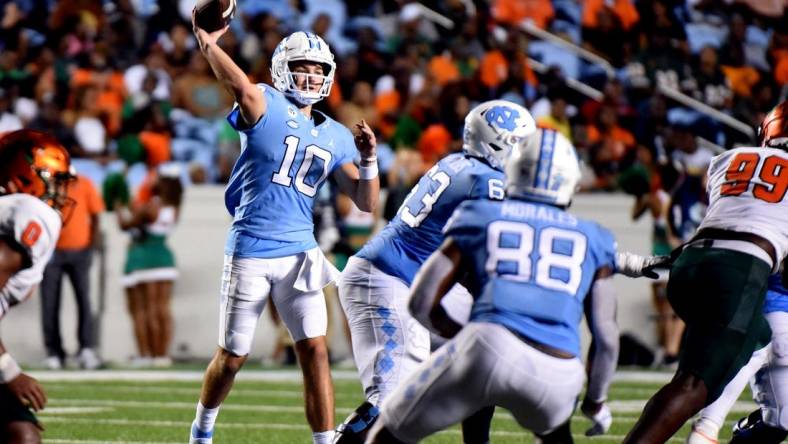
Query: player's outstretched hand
point(365, 140)
point(633, 265)
point(205, 38)
point(28, 391)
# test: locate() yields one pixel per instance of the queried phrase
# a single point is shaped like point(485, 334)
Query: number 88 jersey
point(530, 266)
point(747, 193)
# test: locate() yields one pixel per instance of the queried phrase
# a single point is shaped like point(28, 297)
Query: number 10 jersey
point(285, 159)
point(747, 188)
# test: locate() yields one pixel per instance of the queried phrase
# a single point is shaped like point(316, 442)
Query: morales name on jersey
point(532, 266)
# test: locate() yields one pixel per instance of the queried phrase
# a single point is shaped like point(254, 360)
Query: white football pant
point(294, 282)
point(485, 364)
point(388, 343)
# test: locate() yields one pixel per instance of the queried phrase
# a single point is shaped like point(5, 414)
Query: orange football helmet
point(35, 163)
point(773, 131)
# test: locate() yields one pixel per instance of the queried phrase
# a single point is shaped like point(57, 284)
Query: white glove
point(634, 265)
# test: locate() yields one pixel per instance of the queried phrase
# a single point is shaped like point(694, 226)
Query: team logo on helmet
point(503, 117)
point(493, 128)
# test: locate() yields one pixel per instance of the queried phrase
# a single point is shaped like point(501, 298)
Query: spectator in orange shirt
point(73, 256)
point(609, 144)
point(624, 10)
point(514, 12)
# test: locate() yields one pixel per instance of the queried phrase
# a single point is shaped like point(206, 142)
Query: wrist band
point(368, 172)
point(371, 159)
point(9, 369)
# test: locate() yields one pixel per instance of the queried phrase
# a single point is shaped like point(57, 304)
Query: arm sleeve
point(346, 151)
point(602, 322)
point(463, 222)
point(234, 118)
point(488, 186)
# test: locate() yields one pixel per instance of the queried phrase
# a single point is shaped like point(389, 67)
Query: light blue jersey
point(285, 158)
point(410, 238)
point(531, 266)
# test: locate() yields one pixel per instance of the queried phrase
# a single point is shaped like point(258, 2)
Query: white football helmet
point(493, 128)
point(302, 46)
point(544, 168)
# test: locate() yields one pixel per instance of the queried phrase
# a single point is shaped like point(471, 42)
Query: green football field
point(264, 407)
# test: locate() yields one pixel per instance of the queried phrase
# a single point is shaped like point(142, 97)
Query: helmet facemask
point(302, 47)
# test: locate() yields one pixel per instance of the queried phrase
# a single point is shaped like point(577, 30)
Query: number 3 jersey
point(285, 158)
point(32, 228)
point(409, 239)
point(747, 188)
point(531, 265)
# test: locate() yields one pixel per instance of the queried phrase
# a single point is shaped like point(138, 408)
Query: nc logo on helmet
point(502, 117)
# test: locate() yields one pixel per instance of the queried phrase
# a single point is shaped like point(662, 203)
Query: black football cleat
point(355, 428)
point(752, 430)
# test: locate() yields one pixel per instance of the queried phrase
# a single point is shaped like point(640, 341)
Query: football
point(213, 15)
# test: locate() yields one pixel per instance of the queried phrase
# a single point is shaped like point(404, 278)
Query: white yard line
point(195, 390)
point(636, 406)
point(179, 375)
point(621, 409)
point(179, 405)
point(238, 425)
point(264, 375)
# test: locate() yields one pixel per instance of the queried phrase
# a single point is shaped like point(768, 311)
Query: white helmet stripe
point(545, 162)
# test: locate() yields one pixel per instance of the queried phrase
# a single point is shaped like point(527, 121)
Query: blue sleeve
point(234, 118)
point(488, 186)
point(346, 148)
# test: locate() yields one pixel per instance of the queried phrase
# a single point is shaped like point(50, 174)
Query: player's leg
point(719, 293)
point(18, 425)
point(50, 310)
point(706, 428)
point(476, 428)
point(244, 292)
point(297, 292)
point(458, 303)
point(387, 342)
point(21, 432)
point(770, 389)
point(442, 391)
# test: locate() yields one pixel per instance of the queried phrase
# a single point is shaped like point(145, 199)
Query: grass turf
point(262, 412)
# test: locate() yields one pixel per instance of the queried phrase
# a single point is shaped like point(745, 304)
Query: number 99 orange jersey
point(747, 193)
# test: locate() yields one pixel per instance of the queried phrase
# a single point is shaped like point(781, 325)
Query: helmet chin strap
point(300, 100)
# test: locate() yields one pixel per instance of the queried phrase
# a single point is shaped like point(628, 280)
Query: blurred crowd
point(122, 83)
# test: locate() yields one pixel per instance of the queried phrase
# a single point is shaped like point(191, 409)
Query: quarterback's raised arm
point(362, 183)
point(248, 96)
point(432, 282)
